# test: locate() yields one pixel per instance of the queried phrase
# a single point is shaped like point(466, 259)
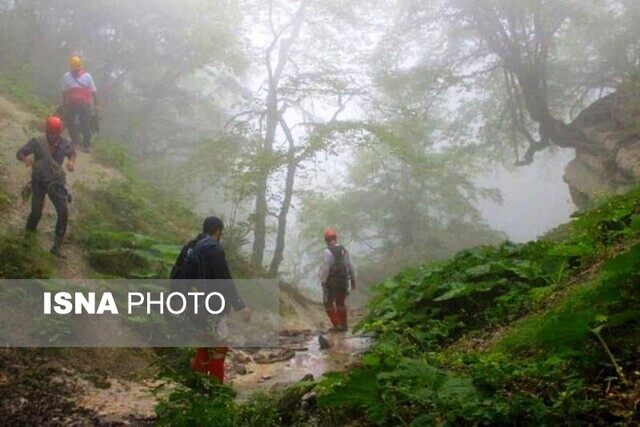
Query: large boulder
point(610, 163)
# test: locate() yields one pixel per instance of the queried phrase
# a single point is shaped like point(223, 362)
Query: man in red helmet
point(336, 273)
point(45, 155)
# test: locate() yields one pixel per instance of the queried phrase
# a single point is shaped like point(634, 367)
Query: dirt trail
point(113, 386)
point(16, 128)
point(112, 399)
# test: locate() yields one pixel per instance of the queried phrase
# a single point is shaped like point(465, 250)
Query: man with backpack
point(336, 273)
point(78, 91)
point(45, 155)
point(204, 258)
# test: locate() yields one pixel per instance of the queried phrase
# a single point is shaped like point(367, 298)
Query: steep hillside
point(119, 227)
point(546, 333)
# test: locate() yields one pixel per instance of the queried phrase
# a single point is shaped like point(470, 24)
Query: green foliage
point(480, 286)
point(112, 155)
point(130, 229)
point(198, 400)
point(20, 89)
point(54, 328)
point(133, 229)
point(212, 405)
point(21, 260)
point(563, 342)
point(5, 199)
point(261, 410)
point(392, 395)
point(130, 255)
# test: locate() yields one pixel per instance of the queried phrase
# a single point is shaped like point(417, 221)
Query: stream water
point(309, 358)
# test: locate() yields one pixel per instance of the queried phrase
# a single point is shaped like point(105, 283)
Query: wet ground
point(248, 371)
point(303, 355)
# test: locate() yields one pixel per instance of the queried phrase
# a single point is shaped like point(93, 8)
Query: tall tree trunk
point(260, 229)
point(292, 166)
point(262, 182)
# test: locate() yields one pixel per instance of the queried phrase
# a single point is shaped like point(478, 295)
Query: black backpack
point(184, 268)
point(339, 271)
point(189, 264)
point(188, 268)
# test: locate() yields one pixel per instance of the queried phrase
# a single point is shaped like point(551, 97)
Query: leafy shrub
point(21, 260)
point(198, 400)
point(548, 369)
point(21, 91)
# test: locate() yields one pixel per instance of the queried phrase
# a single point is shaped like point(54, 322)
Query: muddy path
point(302, 355)
point(115, 386)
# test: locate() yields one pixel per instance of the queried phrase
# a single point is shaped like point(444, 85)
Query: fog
point(535, 199)
point(416, 129)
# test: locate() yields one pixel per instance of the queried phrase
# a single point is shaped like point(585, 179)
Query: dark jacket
point(40, 170)
point(214, 266)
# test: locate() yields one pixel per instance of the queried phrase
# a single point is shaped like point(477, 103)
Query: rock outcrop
point(610, 164)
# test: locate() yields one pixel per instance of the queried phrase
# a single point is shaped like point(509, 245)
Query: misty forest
point(475, 162)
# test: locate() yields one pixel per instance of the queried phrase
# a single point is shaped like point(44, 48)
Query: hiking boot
point(341, 328)
point(56, 248)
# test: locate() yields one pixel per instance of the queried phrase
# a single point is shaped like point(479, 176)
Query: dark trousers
point(334, 298)
point(78, 120)
point(58, 196)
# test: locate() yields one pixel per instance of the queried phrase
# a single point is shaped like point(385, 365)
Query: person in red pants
point(206, 252)
point(336, 273)
point(210, 361)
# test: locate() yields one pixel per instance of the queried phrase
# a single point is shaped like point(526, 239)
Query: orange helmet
point(330, 234)
point(75, 63)
point(54, 125)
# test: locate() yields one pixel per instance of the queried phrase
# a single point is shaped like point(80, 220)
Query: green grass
point(113, 155)
point(21, 92)
point(5, 199)
point(132, 229)
point(21, 260)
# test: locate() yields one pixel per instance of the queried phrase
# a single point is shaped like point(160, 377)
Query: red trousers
point(211, 362)
point(335, 297)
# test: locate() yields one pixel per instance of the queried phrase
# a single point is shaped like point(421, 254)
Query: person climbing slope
point(336, 273)
point(208, 256)
point(45, 155)
point(78, 91)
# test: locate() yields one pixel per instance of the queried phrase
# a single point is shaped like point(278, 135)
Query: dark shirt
point(63, 148)
point(215, 267)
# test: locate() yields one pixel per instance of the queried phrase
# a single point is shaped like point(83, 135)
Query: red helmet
point(330, 234)
point(54, 125)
